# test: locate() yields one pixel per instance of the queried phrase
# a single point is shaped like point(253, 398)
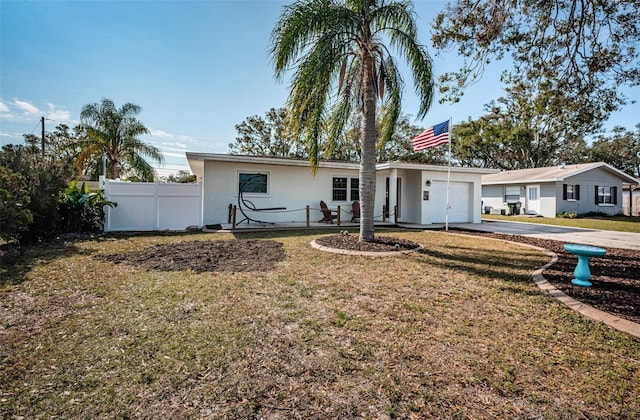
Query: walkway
point(601, 238)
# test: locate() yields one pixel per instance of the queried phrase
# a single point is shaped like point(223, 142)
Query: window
point(355, 189)
point(339, 189)
point(570, 192)
point(606, 195)
point(512, 194)
point(252, 183)
point(345, 189)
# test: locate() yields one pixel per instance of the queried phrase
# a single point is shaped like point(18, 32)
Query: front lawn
point(459, 331)
point(615, 223)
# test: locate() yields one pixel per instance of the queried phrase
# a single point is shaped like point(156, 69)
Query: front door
point(533, 199)
point(386, 198)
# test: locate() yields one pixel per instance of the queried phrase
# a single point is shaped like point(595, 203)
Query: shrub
point(567, 215)
point(15, 216)
point(44, 178)
point(80, 209)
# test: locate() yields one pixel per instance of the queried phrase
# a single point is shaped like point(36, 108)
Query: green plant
point(567, 215)
point(82, 210)
point(15, 216)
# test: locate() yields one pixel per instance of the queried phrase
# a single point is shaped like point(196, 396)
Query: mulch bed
point(202, 256)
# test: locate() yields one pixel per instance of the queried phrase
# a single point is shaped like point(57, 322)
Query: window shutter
point(596, 194)
point(564, 191)
point(614, 195)
point(576, 192)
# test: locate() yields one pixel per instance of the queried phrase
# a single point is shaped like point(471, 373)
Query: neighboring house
point(287, 186)
point(583, 188)
point(631, 198)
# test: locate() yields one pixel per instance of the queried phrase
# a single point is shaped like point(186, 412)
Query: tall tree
point(584, 50)
point(113, 132)
point(621, 150)
point(269, 136)
point(338, 47)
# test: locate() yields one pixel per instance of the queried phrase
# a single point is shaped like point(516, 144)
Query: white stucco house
point(631, 198)
point(582, 188)
point(284, 187)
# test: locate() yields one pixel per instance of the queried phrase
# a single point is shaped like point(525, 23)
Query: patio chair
point(327, 214)
point(355, 211)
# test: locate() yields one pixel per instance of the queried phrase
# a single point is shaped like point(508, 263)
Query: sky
point(197, 68)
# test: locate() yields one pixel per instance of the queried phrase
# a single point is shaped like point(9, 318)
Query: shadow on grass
point(17, 260)
point(484, 262)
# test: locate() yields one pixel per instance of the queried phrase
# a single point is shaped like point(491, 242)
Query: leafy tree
point(269, 136)
point(113, 132)
point(44, 179)
point(621, 150)
point(180, 177)
point(582, 50)
point(15, 216)
point(337, 47)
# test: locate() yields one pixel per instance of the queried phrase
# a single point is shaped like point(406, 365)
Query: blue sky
point(197, 68)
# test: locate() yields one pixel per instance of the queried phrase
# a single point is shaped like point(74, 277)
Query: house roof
point(550, 174)
point(196, 162)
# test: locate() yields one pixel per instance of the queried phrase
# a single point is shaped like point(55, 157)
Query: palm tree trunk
point(368, 155)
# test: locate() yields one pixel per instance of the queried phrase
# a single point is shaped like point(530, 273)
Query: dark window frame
point(257, 186)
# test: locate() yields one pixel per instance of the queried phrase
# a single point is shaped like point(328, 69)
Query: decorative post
point(233, 217)
point(338, 219)
point(395, 215)
point(307, 215)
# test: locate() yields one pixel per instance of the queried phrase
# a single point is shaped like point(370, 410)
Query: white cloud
point(27, 107)
point(161, 134)
point(57, 114)
point(3, 107)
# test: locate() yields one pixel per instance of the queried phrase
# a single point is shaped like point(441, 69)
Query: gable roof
point(550, 174)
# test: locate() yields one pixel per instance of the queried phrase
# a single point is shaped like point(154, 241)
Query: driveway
point(601, 238)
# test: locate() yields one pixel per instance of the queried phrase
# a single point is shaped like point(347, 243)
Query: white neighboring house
point(289, 185)
point(582, 188)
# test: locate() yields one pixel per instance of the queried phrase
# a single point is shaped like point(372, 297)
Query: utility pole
point(42, 121)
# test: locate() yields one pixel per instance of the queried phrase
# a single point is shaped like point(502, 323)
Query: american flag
point(432, 137)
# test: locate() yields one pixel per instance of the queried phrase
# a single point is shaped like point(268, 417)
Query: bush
point(15, 216)
point(44, 178)
point(80, 209)
point(567, 215)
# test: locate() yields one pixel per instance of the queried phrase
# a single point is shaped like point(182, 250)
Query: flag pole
point(446, 218)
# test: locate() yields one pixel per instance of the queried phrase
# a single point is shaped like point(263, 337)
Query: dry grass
point(458, 332)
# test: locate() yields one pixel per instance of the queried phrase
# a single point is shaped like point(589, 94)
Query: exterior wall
point(295, 187)
point(588, 181)
point(152, 206)
point(548, 199)
point(292, 187)
point(493, 197)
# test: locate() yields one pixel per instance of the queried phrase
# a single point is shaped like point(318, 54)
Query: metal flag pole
point(446, 218)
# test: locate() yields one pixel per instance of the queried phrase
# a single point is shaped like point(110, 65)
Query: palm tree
point(338, 49)
point(113, 133)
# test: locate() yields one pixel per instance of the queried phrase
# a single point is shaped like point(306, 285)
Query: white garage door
point(458, 199)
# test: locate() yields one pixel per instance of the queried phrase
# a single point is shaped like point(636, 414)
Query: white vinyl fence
point(152, 206)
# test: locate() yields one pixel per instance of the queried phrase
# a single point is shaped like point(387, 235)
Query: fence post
point(384, 212)
point(307, 215)
point(230, 211)
point(338, 216)
point(233, 217)
point(395, 215)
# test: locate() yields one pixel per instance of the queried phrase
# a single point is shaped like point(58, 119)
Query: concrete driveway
point(601, 238)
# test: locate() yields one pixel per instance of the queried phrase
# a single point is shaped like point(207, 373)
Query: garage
point(459, 201)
